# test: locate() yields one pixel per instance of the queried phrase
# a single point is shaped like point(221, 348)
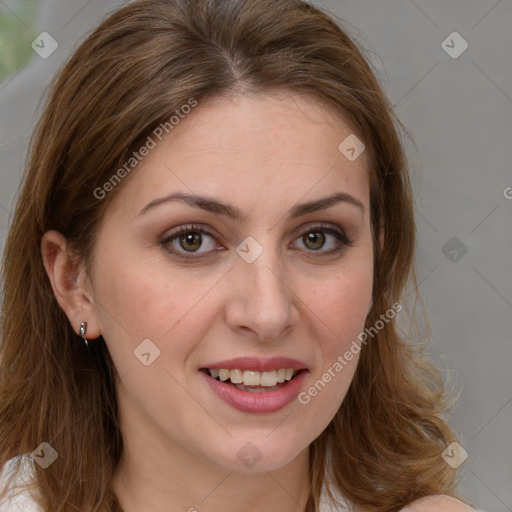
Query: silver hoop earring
point(83, 330)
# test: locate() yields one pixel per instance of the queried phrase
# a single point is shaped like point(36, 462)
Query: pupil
point(316, 238)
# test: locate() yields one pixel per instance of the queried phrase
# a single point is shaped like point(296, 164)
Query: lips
point(256, 385)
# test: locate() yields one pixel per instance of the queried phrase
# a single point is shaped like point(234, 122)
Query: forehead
point(275, 147)
point(263, 122)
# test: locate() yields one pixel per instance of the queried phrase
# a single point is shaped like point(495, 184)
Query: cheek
point(143, 300)
point(341, 303)
point(340, 308)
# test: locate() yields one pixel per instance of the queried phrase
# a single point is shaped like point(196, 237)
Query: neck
point(142, 485)
point(157, 475)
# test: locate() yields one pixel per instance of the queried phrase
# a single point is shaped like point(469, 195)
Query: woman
point(203, 277)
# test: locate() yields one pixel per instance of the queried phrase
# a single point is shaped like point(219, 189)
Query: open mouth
point(253, 381)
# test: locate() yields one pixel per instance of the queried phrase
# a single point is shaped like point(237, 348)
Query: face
point(209, 266)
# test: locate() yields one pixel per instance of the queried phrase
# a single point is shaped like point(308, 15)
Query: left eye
point(316, 238)
point(190, 239)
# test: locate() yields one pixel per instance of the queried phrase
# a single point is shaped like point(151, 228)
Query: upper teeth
point(252, 378)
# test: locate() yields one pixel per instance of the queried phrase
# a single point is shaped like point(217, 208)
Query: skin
point(264, 154)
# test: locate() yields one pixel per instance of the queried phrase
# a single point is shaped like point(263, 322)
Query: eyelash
point(195, 228)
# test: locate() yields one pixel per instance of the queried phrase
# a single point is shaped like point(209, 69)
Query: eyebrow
point(212, 205)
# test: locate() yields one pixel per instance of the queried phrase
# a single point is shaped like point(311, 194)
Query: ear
point(69, 282)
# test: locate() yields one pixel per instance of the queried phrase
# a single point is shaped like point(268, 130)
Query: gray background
point(459, 112)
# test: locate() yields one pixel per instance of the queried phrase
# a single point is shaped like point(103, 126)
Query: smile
point(256, 386)
point(253, 381)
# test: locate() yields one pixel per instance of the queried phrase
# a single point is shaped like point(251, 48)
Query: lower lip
point(263, 402)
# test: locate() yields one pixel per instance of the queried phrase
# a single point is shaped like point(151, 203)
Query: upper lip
point(257, 364)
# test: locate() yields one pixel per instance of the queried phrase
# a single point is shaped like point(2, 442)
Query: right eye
point(188, 239)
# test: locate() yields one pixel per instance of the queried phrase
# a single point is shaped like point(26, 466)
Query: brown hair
point(130, 75)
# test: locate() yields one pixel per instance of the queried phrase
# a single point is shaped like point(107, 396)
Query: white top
point(17, 500)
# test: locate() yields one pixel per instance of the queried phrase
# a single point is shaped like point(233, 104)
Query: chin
point(256, 454)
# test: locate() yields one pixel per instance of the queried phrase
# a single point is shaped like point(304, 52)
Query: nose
point(262, 303)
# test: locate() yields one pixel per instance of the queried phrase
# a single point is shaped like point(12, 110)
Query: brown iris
point(193, 239)
point(316, 238)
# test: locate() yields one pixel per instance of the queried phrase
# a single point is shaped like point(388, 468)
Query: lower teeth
point(257, 389)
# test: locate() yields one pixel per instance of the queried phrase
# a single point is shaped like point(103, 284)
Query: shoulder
point(434, 503)
point(14, 493)
point(438, 503)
